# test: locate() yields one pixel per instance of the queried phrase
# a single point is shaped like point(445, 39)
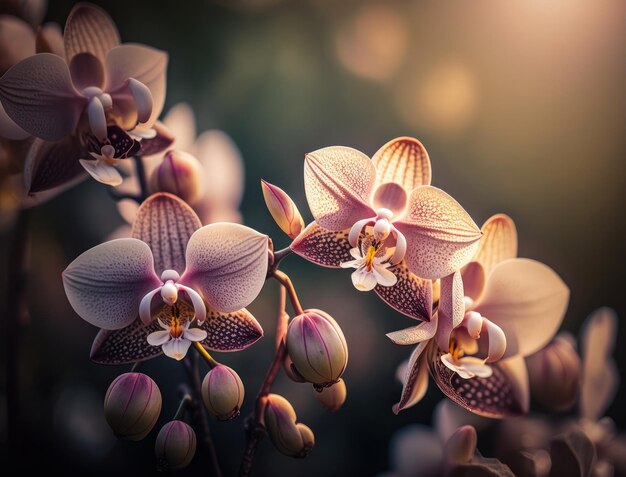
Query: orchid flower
point(184, 282)
point(503, 308)
point(99, 80)
point(381, 216)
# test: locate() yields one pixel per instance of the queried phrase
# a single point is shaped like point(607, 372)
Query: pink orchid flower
point(183, 281)
point(503, 309)
point(382, 217)
point(99, 80)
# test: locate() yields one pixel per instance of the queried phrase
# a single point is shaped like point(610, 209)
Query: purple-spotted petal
point(414, 334)
point(230, 331)
point(127, 345)
point(227, 263)
point(338, 182)
point(105, 284)
point(37, 93)
point(163, 140)
point(411, 295)
point(415, 382)
point(89, 29)
point(527, 299)
point(403, 160)
point(451, 308)
point(498, 243)
point(166, 223)
point(176, 348)
point(328, 248)
point(441, 236)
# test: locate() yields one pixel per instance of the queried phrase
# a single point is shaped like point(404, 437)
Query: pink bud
point(283, 209)
point(461, 446)
point(332, 397)
point(175, 445)
point(554, 374)
point(180, 174)
point(317, 347)
point(295, 440)
point(291, 371)
point(132, 405)
point(222, 392)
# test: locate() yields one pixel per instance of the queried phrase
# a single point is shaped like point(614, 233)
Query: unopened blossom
point(223, 392)
point(332, 397)
point(179, 173)
point(175, 446)
point(503, 309)
point(204, 274)
point(382, 217)
point(289, 437)
point(283, 209)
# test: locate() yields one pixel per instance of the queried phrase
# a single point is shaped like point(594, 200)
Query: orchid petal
point(9, 129)
point(390, 196)
point(194, 334)
point(197, 301)
point(499, 242)
point(182, 122)
point(497, 341)
point(158, 338)
point(176, 348)
point(527, 299)
point(474, 279)
point(414, 334)
point(127, 345)
point(143, 99)
point(102, 172)
point(89, 29)
point(352, 263)
point(338, 182)
point(403, 160)
point(105, 284)
point(17, 41)
point(411, 295)
point(467, 367)
point(231, 331)
point(400, 249)
point(150, 146)
point(600, 377)
point(145, 306)
point(357, 228)
point(37, 93)
point(415, 383)
point(166, 223)
point(441, 236)
point(227, 263)
point(451, 308)
point(86, 71)
point(97, 119)
point(363, 280)
point(384, 276)
point(147, 66)
point(474, 324)
point(322, 246)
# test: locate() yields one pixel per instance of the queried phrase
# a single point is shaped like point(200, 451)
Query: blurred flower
point(175, 446)
point(332, 397)
point(113, 283)
point(283, 209)
point(525, 301)
point(180, 174)
point(554, 373)
point(132, 405)
point(317, 347)
point(294, 440)
point(223, 392)
point(374, 42)
point(365, 218)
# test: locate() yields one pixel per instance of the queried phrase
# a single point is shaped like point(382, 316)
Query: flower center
point(369, 257)
point(455, 350)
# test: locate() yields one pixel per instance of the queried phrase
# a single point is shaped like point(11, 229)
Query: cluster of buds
point(332, 397)
point(223, 392)
point(290, 438)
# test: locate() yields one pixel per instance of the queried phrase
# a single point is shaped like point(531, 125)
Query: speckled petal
point(403, 160)
point(415, 383)
point(227, 263)
point(414, 334)
point(338, 182)
point(527, 299)
point(89, 29)
point(106, 283)
point(498, 243)
point(324, 247)
point(451, 308)
point(166, 223)
point(231, 331)
point(127, 345)
point(411, 295)
point(441, 236)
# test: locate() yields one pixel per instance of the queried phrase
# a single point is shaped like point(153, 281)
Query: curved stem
point(285, 281)
point(182, 407)
point(141, 177)
point(279, 256)
point(117, 196)
point(205, 354)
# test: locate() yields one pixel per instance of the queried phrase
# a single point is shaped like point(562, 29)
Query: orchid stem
point(134, 367)
point(255, 423)
point(205, 354)
point(116, 196)
point(182, 407)
point(285, 281)
point(141, 177)
point(199, 413)
point(279, 256)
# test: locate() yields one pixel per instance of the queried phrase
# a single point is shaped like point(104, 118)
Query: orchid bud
point(461, 446)
point(132, 405)
point(554, 373)
point(295, 440)
point(175, 445)
point(291, 371)
point(317, 347)
point(283, 209)
point(222, 392)
point(180, 174)
point(332, 397)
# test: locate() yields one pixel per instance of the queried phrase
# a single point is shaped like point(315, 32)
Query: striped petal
point(127, 345)
point(106, 284)
point(328, 248)
point(227, 263)
point(89, 29)
point(411, 295)
point(403, 160)
point(441, 236)
point(338, 182)
point(498, 243)
point(230, 331)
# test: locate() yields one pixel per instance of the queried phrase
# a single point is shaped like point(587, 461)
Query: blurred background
point(521, 106)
